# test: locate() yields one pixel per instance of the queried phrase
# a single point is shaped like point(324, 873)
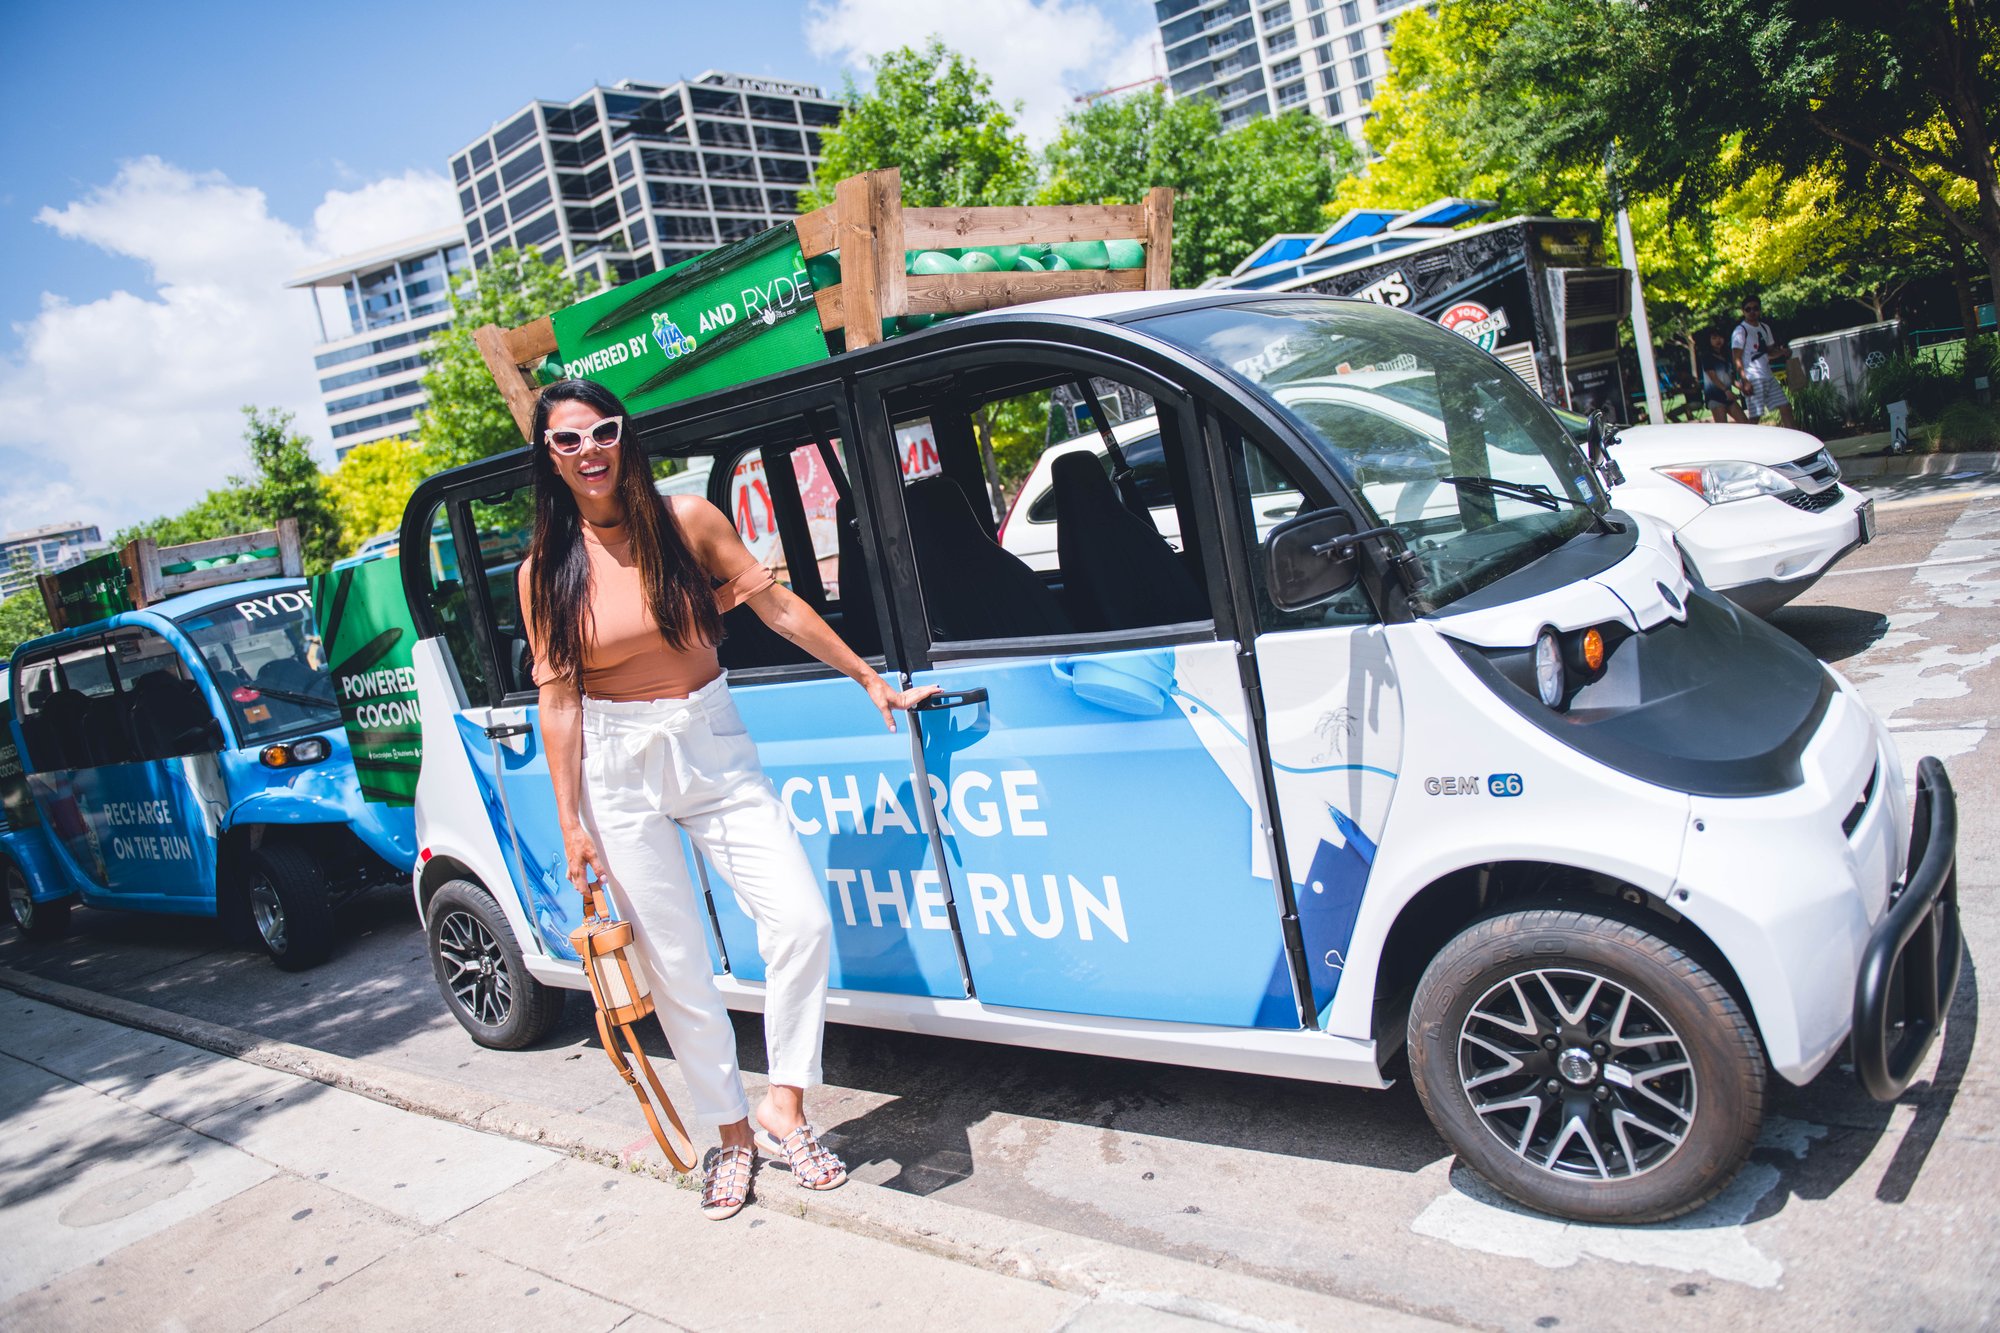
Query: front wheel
point(1586, 1067)
point(35, 921)
point(289, 906)
point(480, 972)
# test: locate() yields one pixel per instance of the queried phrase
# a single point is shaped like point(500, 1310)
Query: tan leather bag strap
point(677, 1146)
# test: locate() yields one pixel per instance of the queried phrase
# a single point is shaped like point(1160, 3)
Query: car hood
point(1710, 442)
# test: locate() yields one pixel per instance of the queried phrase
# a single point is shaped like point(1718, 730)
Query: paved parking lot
point(1850, 1214)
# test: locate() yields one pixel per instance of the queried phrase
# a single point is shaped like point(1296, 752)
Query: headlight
point(1719, 483)
point(1549, 668)
point(295, 754)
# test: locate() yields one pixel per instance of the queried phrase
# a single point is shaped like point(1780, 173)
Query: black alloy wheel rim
point(1577, 1075)
point(268, 911)
point(20, 901)
point(479, 980)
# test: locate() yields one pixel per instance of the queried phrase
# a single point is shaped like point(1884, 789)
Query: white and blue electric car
point(1429, 750)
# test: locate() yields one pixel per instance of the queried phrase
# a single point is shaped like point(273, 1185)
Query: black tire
point(35, 921)
point(1586, 1129)
point(285, 894)
point(480, 972)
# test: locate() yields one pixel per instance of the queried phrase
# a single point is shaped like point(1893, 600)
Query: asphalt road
point(1849, 1214)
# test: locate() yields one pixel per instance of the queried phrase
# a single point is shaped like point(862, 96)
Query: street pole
point(1642, 333)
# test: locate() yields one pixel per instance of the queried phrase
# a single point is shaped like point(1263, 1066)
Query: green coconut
point(1026, 265)
point(824, 270)
point(933, 262)
point(1057, 264)
point(1084, 254)
point(1125, 254)
point(978, 261)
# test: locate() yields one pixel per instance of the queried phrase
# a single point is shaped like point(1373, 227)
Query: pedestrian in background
point(622, 597)
point(1718, 379)
point(1758, 355)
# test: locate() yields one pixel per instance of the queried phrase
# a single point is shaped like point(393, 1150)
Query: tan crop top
point(624, 655)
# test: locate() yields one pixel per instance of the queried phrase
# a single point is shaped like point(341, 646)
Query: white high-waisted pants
point(651, 769)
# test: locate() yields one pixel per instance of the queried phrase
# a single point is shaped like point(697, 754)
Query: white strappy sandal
point(725, 1183)
point(813, 1165)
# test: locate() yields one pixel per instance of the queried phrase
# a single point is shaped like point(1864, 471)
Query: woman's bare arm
point(723, 554)
point(560, 708)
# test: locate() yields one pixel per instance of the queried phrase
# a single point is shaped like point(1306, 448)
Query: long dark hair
point(678, 591)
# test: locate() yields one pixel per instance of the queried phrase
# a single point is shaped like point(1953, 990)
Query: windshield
point(265, 656)
point(1442, 442)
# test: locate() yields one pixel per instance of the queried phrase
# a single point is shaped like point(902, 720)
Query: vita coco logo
point(975, 804)
point(670, 338)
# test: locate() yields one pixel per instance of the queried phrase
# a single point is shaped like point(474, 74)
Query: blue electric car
point(188, 758)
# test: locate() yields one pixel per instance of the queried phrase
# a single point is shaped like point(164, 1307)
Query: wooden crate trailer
point(144, 572)
point(871, 231)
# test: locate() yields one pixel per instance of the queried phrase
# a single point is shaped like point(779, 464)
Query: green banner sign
point(365, 624)
point(92, 591)
point(729, 316)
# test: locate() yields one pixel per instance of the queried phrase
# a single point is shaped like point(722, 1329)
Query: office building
point(37, 551)
point(1256, 59)
point(640, 176)
point(378, 312)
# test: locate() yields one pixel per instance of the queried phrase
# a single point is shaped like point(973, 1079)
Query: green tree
point(1903, 95)
point(467, 419)
point(371, 487)
point(22, 617)
point(933, 114)
point(1232, 190)
point(285, 483)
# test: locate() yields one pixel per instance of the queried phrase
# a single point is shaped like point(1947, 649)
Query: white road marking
point(1709, 1240)
point(1946, 498)
point(1914, 564)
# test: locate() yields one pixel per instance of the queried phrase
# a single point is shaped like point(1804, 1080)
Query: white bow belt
point(656, 744)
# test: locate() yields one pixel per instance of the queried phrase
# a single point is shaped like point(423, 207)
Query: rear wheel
point(35, 921)
point(1586, 1067)
point(289, 906)
point(481, 974)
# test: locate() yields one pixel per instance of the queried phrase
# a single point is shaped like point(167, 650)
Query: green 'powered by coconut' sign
point(730, 316)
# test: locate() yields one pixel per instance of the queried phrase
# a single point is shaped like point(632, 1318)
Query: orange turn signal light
point(276, 756)
point(1690, 477)
point(1593, 650)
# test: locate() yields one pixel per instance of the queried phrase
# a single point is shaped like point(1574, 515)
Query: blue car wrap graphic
point(130, 835)
point(1103, 859)
point(540, 870)
point(849, 787)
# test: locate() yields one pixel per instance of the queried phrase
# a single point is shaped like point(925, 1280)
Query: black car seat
point(972, 588)
point(1118, 571)
point(107, 730)
point(169, 715)
point(66, 711)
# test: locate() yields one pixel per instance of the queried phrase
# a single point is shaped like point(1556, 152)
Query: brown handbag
point(623, 998)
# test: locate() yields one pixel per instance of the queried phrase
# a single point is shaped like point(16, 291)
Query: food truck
point(1430, 753)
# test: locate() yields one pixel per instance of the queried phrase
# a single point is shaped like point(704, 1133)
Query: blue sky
point(164, 166)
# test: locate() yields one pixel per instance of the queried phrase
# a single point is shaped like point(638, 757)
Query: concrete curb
point(1918, 465)
point(1062, 1260)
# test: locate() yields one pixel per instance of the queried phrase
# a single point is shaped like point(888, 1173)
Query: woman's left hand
point(892, 700)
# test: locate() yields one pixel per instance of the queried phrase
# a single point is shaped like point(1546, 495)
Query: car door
point(1092, 766)
point(848, 784)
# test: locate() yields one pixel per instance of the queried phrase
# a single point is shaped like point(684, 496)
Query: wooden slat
point(956, 293)
point(855, 231)
point(141, 559)
point(531, 342)
point(235, 544)
point(1159, 211)
point(816, 231)
point(491, 340)
point(172, 585)
point(951, 228)
point(831, 314)
point(886, 199)
point(291, 551)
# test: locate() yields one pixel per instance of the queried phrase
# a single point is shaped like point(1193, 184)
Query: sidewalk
point(147, 1183)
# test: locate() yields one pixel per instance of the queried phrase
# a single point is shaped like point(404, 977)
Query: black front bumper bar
point(1910, 968)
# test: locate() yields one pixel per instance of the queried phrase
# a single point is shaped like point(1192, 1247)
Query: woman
point(623, 612)
point(1717, 380)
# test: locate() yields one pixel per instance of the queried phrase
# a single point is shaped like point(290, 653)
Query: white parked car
point(1759, 512)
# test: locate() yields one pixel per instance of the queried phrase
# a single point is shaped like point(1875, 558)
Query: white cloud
point(1041, 53)
point(120, 408)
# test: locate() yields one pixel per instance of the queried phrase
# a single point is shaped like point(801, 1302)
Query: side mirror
point(1597, 450)
point(1311, 558)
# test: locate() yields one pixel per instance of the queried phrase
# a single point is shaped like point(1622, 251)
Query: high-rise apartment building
point(387, 305)
point(24, 555)
point(1259, 58)
point(640, 176)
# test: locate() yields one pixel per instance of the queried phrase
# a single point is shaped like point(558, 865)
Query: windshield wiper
point(306, 700)
point(1533, 492)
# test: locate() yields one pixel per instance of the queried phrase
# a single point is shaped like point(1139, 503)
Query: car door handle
point(949, 699)
point(500, 731)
